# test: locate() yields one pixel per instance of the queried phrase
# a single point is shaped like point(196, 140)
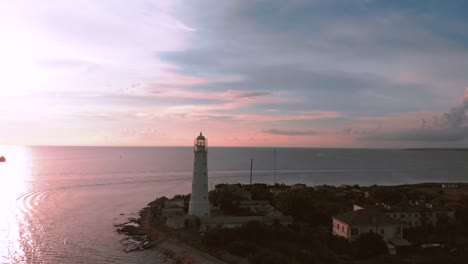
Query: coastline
point(167, 246)
point(184, 245)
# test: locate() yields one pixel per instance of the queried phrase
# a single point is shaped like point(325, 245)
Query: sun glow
point(14, 173)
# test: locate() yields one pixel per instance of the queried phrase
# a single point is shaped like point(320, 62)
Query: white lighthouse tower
point(199, 203)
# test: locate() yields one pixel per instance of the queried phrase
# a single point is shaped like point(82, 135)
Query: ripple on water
point(68, 225)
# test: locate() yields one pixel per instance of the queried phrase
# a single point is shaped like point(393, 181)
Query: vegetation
point(276, 244)
point(312, 207)
point(227, 200)
point(309, 239)
point(370, 245)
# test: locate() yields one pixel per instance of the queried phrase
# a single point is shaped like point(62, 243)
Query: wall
point(339, 231)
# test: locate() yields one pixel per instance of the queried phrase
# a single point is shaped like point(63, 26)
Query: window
point(342, 228)
point(382, 231)
point(402, 216)
point(338, 226)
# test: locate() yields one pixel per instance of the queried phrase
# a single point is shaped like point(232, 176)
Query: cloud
point(251, 94)
point(238, 67)
point(144, 134)
point(291, 132)
point(374, 58)
point(451, 126)
point(66, 63)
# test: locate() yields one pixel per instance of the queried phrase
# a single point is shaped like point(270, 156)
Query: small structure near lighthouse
point(199, 203)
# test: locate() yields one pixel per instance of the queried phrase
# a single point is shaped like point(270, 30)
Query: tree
point(229, 202)
point(268, 257)
point(369, 245)
point(239, 248)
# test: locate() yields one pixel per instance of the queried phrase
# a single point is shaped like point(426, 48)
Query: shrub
point(238, 248)
point(369, 245)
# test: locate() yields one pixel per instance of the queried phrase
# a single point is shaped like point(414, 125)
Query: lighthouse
point(199, 202)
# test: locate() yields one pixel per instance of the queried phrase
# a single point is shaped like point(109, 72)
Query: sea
point(60, 204)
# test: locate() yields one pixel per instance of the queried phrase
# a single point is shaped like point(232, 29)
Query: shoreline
point(170, 249)
point(184, 245)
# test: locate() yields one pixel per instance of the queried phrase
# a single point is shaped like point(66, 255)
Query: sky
point(298, 73)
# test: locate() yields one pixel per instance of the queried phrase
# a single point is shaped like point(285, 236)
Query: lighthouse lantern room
point(199, 203)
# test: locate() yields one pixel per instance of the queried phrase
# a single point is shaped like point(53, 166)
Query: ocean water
point(59, 204)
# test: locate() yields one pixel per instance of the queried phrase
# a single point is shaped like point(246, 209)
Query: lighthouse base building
point(199, 202)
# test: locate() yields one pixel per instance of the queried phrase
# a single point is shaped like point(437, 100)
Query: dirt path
point(183, 250)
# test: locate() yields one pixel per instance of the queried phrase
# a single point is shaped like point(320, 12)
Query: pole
point(274, 163)
point(251, 167)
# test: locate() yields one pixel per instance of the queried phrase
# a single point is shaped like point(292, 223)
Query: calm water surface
point(59, 204)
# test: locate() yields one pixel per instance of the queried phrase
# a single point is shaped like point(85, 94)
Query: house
point(298, 186)
point(421, 215)
point(415, 215)
point(208, 223)
point(237, 190)
point(262, 208)
point(174, 203)
point(449, 186)
point(352, 224)
point(174, 213)
point(345, 187)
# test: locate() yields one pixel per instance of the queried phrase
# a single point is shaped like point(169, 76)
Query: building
point(199, 203)
point(262, 208)
point(173, 212)
point(415, 215)
point(237, 190)
point(449, 186)
point(352, 224)
point(208, 223)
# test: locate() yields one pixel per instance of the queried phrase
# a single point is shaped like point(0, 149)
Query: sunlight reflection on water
point(14, 173)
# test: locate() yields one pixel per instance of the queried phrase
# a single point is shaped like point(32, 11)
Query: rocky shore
point(142, 235)
point(136, 238)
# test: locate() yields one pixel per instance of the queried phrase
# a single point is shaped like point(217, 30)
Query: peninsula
point(262, 223)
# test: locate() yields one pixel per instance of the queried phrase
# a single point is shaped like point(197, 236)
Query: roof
point(399, 242)
point(243, 219)
point(366, 217)
point(158, 202)
point(417, 209)
point(407, 208)
point(238, 190)
point(254, 202)
point(200, 137)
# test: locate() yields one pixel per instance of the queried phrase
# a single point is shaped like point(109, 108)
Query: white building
point(199, 203)
point(208, 223)
point(412, 216)
point(263, 208)
point(352, 224)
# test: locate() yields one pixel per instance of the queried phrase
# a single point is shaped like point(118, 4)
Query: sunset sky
point(293, 73)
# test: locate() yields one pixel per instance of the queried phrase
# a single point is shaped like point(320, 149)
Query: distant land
point(438, 149)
